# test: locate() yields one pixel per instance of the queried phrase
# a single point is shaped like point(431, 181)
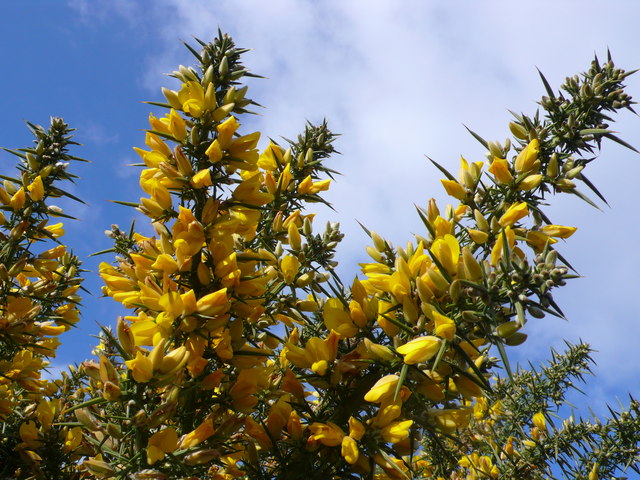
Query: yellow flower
point(350, 450)
point(558, 231)
point(308, 186)
point(539, 421)
point(289, 266)
point(160, 443)
point(319, 353)
point(18, 199)
point(328, 434)
point(500, 170)
point(29, 434)
point(200, 434)
point(225, 132)
point(454, 189)
point(478, 236)
point(419, 349)
point(72, 439)
point(166, 263)
point(538, 240)
point(191, 96)
point(356, 428)
point(214, 303)
point(530, 182)
point(496, 252)
point(243, 390)
point(447, 251)
point(450, 420)
point(202, 179)
point(383, 389)
point(36, 189)
point(337, 318)
point(141, 367)
point(514, 213)
point(527, 157)
point(271, 158)
point(396, 431)
point(177, 126)
point(445, 327)
point(214, 152)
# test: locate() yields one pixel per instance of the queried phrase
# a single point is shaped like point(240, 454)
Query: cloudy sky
point(397, 79)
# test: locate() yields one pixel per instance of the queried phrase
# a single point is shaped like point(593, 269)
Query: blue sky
point(396, 78)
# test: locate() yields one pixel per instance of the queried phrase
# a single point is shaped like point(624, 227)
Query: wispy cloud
point(97, 134)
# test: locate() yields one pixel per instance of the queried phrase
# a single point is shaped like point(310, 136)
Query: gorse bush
point(245, 355)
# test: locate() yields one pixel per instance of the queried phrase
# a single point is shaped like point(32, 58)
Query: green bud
point(172, 98)
point(551, 258)
point(495, 149)
point(240, 93)
point(229, 97)
point(535, 312)
point(307, 228)
point(552, 167)
point(207, 78)
point(9, 187)
point(188, 73)
point(194, 136)
point(223, 111)
point(308, 156)
point(378, 242)
point(516, 339)
point(574, 171)
point(471, 316)
point(223, 69)
point(33, 161)
point(114, 430)
point(455, 290)
point(495, 226)
point(518, 131)
point(507, 329)
point(565, 185)
point(481, 221)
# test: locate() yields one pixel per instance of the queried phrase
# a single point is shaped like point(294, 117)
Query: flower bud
point(518, 338)
point(110, 391)
point(229, 96)
point(495, 149)
point(378, 242)
point(471, 266)
point(201, 456)
point(293, 235)
point(481, 221)
point(223, 68)
point(573, 173)
point(207, 78)
point(172, 98)
point(505, 330)
point(223, 111)
point(518, 131)
point(552, 167)
point(125, 337)
point(86, 419)
point(210, 102)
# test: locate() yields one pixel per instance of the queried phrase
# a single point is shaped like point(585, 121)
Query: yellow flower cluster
point(219, 333)
point(242, 353)
point(38, 299)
